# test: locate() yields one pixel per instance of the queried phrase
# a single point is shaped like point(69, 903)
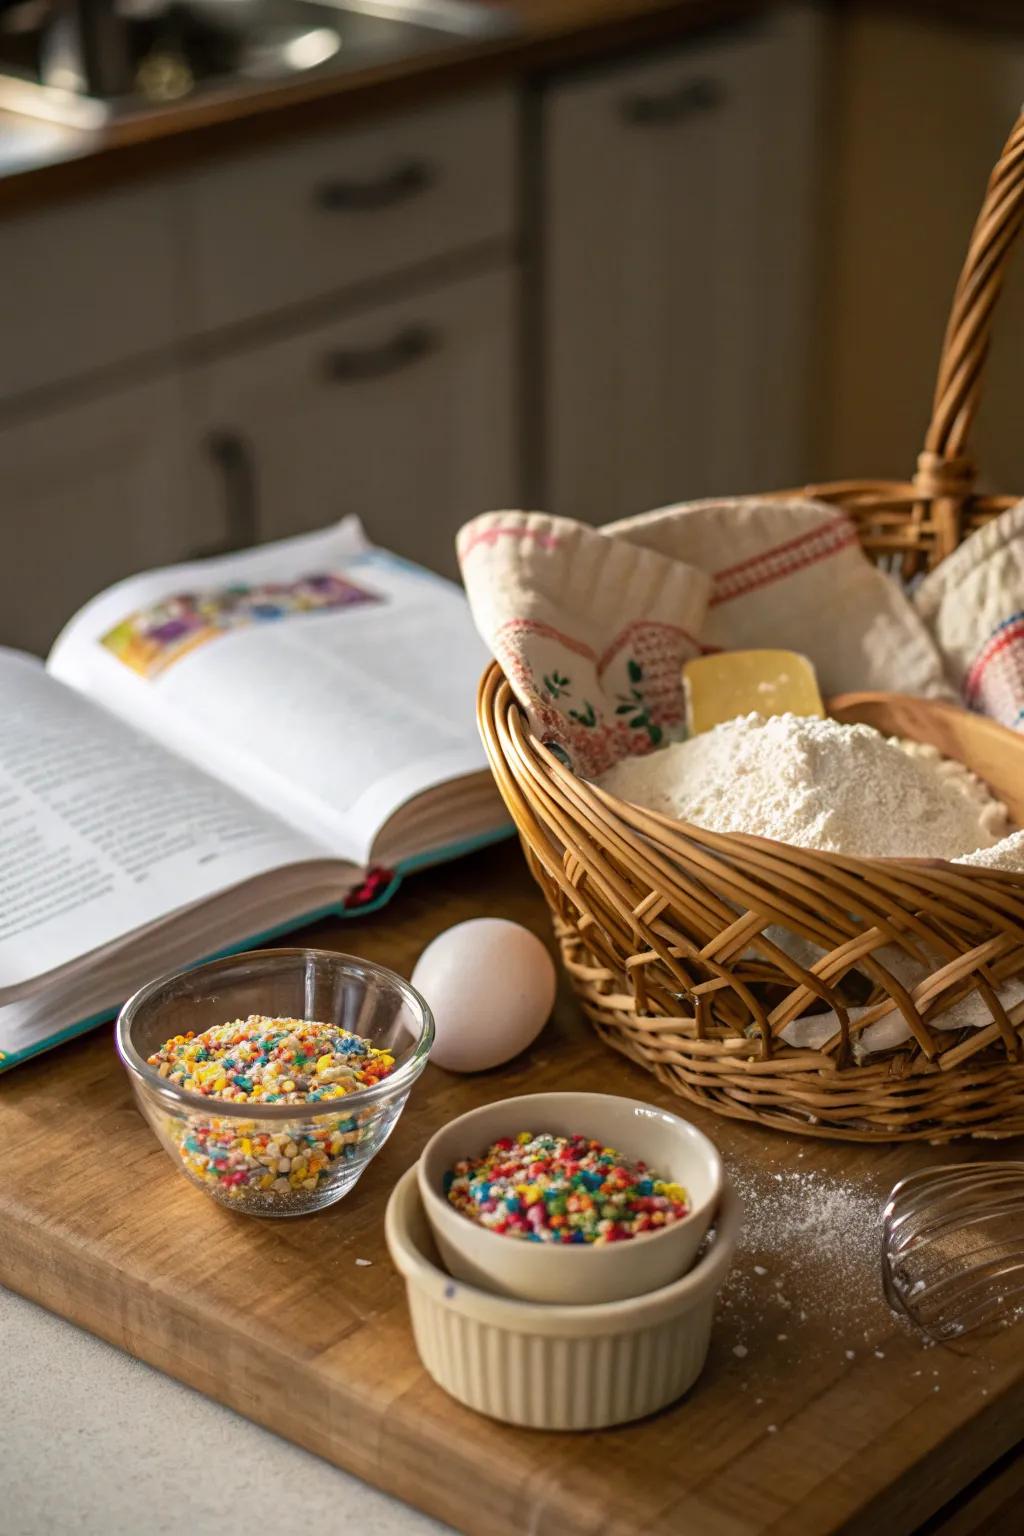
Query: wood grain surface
point(817, 1412)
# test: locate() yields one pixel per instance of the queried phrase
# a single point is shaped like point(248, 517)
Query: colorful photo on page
point(154, 638)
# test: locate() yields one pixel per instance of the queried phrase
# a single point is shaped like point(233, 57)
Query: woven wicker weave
point(670, 934)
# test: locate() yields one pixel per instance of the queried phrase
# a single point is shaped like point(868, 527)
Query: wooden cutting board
point(817, 1411)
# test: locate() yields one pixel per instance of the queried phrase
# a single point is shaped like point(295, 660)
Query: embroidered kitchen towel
point(973, 604)
point(591, 627)
point(792, 574)
point(591, 632)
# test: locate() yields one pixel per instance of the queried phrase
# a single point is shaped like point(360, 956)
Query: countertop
point(39, 162)
point(81, 1441)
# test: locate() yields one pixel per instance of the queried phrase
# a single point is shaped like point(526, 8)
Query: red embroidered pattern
point(995, 682)
point(548, 632)
point(595, 747)
point(491, 536)
point(784, 560)
point(652, 641)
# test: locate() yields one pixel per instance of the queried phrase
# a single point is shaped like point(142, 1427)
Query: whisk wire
point(953, 1245)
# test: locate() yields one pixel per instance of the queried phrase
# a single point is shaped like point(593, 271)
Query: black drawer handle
point(232, 456)
point(354, 365)
point(397, 186)
point(689, 99)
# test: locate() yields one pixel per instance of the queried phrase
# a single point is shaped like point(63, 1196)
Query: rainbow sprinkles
point(548, 1188)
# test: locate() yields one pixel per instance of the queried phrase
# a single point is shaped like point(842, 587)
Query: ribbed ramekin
point(556, 1367)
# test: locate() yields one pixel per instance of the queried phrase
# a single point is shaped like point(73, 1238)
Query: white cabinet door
point(906, 185)
point(403, 414)
point(677, 296)
point(89, 283)
point(89, 494)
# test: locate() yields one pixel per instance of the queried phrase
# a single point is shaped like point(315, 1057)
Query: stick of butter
point(732, 683)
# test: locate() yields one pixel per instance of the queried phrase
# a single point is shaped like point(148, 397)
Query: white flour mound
point(816, 784)
point(1009, 854)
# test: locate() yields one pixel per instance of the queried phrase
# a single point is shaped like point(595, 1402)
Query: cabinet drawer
point(405, 415)
point(86, 284)
point(91, 493)
point(317, 216)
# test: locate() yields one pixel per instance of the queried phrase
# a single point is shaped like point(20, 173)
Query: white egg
point(490, 985)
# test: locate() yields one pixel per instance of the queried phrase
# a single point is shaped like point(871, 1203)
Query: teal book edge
point(381, 898)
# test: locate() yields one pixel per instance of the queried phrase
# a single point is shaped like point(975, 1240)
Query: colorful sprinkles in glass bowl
point(545, 1188)
point(272, 1061)
point(258, 1061)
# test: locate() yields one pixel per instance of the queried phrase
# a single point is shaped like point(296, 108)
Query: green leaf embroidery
point(556, 685)
point(632, 704)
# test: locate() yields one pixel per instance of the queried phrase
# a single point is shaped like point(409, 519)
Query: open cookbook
point(219, 751)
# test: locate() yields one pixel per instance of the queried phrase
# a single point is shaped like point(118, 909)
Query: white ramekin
point(556, 1367)
point(555, 1272)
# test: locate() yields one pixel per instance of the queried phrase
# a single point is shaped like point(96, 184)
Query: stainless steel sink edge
point(432, 25)
point(464, 18)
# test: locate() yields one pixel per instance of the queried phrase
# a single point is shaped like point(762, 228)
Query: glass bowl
point(229, 1150)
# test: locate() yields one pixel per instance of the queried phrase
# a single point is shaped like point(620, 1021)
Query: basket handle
point(945, 473)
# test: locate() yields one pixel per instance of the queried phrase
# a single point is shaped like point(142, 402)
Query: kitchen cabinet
point(91, 493)
point(677, 274)
point(404, 414)
point(319, 216)
point(89, 284)
point(340, 323)
point(922, 111)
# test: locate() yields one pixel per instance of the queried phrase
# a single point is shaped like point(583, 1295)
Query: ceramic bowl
point(565, 1367)
point(570, 1273)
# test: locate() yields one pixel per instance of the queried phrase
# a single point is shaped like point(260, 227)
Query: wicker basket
point(670, 934)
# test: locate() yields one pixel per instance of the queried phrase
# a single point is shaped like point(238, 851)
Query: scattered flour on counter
point(811, 1221)
point(816, 784)
point(808, 1261)
point(804, 1292)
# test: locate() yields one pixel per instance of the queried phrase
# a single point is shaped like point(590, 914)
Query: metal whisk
point(953, 1246)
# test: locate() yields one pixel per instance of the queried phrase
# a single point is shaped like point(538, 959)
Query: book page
point(103, 832)
point(320, 676)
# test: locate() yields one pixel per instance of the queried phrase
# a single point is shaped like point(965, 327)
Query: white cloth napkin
point(792, 575)
point(973, 605)
point(590, 632)
point(591, 626)
point(814, 1031)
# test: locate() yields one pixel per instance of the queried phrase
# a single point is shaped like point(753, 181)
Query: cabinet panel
point(90, 494)
point(907, 183)
point(86, 284)
point(404, 415)
point(678, 272)
point(316, 216)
